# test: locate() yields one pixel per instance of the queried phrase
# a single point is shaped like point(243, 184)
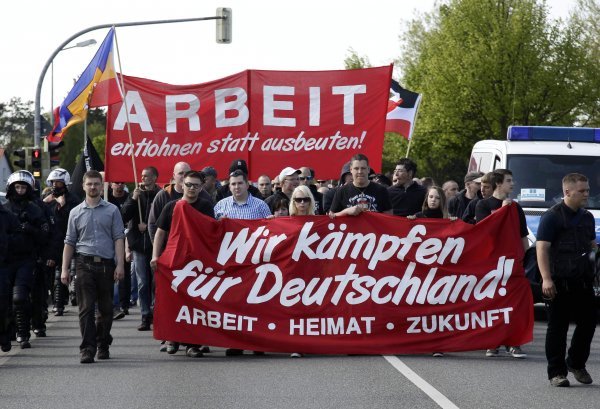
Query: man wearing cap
point(224, 191)
point(290, 180)
point(210, 183)
point(458, 204)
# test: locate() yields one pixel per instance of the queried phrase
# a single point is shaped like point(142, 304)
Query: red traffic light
point(36, 153)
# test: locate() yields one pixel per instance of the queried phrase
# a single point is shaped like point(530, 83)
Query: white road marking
point(441, 400)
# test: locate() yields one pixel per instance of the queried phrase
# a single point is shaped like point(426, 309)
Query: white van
point(539, 157)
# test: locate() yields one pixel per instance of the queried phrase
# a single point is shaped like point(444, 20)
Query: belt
point(95, 259)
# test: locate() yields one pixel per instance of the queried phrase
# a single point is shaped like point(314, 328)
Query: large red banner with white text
point(271, 119)
point(374, 284)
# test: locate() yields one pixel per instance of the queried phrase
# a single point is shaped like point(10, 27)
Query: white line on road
point(421, 383)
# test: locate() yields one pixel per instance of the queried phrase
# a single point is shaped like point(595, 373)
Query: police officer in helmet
point(59, 203)
point(24, 247)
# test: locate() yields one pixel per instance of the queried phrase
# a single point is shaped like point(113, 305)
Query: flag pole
point(135, 179)
point(412, 125)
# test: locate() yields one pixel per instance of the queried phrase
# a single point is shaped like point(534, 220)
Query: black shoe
point(258, 353)
point(144, 326)
point(40, 333)
point(103, 354)
point(6, 347)
point(234, 352)
point(118, 315)
point(205, 349)
point(25, 344)
point(59, 312)
point(87, 357)
point(125, 310)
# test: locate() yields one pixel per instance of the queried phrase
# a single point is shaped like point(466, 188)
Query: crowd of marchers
point(100, 252)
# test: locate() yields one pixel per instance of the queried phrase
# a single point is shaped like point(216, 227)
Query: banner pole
point(123, 94)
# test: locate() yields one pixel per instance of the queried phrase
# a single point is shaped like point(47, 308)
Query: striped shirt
point(253, 208)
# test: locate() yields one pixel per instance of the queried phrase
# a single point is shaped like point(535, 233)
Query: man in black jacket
point(59, 203)
point(135, 212)
point(407, 196)
point(458, 204)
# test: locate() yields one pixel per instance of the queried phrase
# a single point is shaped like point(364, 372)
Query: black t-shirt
point(166, 216)
point(406, 202)
point(374, 195)
point(485, 207)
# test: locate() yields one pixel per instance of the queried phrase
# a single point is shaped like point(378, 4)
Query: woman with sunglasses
point(302, 204)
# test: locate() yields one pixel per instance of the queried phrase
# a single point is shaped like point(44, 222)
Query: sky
point(270, 35)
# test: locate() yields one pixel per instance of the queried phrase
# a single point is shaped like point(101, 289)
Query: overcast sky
point(271, 35)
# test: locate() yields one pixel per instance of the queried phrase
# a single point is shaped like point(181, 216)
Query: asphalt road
point(139, 376)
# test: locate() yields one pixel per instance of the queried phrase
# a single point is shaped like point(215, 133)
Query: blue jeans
point(145, 282)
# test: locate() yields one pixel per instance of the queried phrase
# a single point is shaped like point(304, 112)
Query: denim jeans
point(145, 282)
point(94, 285)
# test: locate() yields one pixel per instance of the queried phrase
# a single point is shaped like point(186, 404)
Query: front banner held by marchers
point(373, 284)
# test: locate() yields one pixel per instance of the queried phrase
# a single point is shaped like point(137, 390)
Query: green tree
point(96, 129)
point(394, 146)
point(483, 65)
point(15, 115)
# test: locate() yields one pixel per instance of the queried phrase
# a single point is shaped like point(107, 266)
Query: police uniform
point(570, 234)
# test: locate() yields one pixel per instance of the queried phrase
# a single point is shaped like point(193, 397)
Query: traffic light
point(224, 25)
point(54, 152)
point(36, 162)
point(22, 154)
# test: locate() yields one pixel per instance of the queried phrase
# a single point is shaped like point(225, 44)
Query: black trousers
point(573, 301)
point(94, 287)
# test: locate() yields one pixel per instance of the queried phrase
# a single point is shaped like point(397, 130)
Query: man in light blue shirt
point(241, 205)
point(95, 235)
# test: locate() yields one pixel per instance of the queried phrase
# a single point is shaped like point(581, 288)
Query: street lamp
point(223, 15)
point(85, 43)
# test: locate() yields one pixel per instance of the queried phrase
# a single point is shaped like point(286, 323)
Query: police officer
point(9, 224)
point(565, 242)
point(24, 247)
point(59, 203)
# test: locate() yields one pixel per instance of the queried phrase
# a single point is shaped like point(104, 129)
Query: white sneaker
point(490, 353)
point(296, 355)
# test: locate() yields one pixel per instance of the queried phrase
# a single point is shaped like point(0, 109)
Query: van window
point(538, 178)
point(481, 162)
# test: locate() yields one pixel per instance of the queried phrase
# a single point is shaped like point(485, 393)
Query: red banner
point(372, 284)
point(271, 119)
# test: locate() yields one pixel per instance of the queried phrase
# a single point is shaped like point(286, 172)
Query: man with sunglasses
point(192, 185)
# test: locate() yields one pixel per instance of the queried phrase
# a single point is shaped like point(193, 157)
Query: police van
point(539, 157)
